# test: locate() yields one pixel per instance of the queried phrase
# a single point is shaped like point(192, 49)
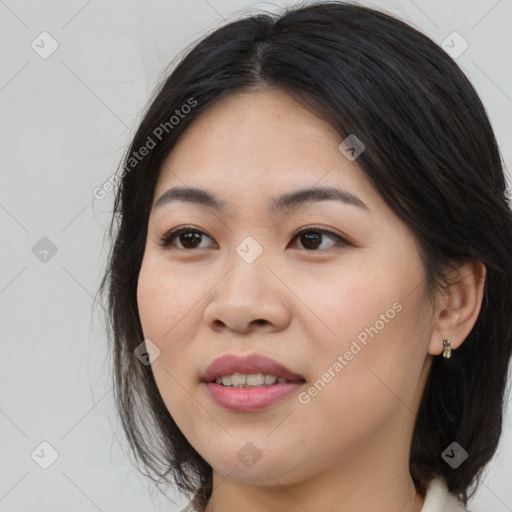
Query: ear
point(458, 306)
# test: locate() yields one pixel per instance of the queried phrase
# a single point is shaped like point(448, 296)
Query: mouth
point(251, 380)
point(250, 371)
point(250, 383)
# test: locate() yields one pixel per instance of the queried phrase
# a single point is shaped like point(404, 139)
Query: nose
point(249, 297)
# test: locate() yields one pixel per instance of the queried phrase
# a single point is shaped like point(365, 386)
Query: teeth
point(238, 380)
point(270, 379)
point(254, 379)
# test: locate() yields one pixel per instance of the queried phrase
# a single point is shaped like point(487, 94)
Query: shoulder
point(439, 499)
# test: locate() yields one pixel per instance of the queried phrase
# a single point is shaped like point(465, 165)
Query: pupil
point(188, 238)
point(312, 236)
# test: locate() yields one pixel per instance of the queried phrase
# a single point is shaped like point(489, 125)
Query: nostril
point(260, 321)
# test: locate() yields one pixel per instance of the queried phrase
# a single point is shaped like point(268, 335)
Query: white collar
point(438, 499)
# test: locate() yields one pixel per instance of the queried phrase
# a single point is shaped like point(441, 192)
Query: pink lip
point(253, 363)
point(246, 399)
point(250, 400)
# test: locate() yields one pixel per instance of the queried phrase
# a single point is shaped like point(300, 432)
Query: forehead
point(261, 142)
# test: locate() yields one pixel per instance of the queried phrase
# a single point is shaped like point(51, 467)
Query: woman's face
point(347, 310)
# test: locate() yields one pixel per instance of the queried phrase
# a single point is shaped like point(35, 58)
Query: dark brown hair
point(430, 153)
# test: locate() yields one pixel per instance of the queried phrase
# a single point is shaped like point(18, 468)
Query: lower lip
point(249, 400)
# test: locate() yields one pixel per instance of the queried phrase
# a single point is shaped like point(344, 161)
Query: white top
point(437, 499)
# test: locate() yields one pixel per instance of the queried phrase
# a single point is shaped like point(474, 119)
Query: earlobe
point(457, 307)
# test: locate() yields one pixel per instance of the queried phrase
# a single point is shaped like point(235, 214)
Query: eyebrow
point(285, 202)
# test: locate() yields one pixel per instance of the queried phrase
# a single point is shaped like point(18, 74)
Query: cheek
point(360, 301)
point(165, 298)
point(165, 313)
point(169, 304)
point(379, 324)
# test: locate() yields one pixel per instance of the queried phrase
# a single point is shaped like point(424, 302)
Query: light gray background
point(65, 122)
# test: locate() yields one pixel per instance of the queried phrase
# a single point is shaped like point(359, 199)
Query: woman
point(310, 285)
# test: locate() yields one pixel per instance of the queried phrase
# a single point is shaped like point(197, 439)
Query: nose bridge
point(248, 292)
point(249, 276)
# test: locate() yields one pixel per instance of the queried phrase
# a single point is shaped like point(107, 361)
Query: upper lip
point(253, 363)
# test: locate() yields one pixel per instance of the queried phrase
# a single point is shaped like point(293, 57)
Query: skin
point(347, 449)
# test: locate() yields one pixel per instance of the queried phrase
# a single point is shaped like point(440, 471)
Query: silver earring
point(447, 352)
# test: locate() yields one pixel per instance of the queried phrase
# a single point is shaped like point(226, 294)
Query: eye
point(188, 237)
point(312, 238)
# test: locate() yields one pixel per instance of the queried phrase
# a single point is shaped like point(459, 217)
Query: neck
point(286, 499)
point(365, 480)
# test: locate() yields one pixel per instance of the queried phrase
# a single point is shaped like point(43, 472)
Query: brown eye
point(189, 238)
point(312, 238)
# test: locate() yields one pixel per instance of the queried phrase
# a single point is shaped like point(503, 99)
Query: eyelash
point(171, 235)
